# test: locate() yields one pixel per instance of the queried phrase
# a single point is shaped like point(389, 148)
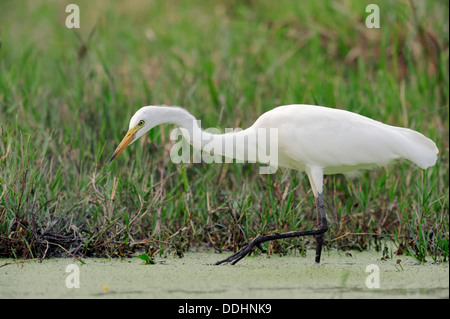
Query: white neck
point(235, 144)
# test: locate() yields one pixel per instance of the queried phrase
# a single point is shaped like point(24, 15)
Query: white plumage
point(339, 141)
point(314, 139)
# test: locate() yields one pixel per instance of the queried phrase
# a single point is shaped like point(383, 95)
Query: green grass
point(66, 98)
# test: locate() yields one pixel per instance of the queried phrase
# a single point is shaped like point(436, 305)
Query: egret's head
point(139, 124)
point(150, 116)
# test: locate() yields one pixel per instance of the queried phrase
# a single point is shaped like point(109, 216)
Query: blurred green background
point(66, 96)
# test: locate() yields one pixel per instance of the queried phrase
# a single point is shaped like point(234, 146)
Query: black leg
point(321, 224)
point(318, 233)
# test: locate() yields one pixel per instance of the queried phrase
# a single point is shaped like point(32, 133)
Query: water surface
point(339, 276)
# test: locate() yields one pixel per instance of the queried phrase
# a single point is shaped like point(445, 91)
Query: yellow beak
point(129, 137)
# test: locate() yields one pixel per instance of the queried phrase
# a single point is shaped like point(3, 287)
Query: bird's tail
point(418, 149)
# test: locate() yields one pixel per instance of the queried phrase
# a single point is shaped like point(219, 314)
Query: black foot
point(318, 233)
point(233, 259)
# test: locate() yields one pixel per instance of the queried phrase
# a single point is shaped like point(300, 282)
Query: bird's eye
point(141, 123)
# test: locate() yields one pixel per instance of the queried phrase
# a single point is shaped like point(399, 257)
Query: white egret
point(313, 139)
